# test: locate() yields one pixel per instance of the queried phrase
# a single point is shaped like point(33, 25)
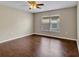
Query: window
point(54, 24)
point(45, 24)
point(51, 23)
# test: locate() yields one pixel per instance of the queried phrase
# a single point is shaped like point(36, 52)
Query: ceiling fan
point(34, 5)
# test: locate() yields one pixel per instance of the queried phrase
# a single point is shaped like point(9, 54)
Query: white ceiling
point(48, 5)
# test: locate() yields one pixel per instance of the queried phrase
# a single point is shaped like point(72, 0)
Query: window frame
point(50, 24)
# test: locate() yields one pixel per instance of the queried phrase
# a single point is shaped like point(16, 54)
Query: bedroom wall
point(78, 25)
point(14, 23)
point(68, 23)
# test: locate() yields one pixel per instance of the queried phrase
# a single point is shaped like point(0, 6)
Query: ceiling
point(48, 5)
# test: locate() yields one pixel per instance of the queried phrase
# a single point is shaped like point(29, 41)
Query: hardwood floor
point(39, 46)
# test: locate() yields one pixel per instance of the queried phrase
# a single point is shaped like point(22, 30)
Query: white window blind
point(50, 23)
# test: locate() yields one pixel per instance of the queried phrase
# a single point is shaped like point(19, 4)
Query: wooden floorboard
point(38, 46)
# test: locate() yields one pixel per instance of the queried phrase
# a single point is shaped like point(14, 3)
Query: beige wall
point(14, 23)
point(68, 23)
point(78, 25)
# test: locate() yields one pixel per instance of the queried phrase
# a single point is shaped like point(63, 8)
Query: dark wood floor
point(38, 46)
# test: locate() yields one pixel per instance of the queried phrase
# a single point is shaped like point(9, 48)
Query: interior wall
point(14, 23)
point(78, 25)
point(68, 23)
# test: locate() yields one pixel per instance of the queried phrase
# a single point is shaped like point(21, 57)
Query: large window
point(50, 23)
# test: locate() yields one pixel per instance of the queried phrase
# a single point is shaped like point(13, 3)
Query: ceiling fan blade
point(29, 1)
point(32, 2)
point(39, 7)
point(40, 4)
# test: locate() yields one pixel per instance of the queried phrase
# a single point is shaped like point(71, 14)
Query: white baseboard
point(57, 36)
point(14, 38)
point(37, 34)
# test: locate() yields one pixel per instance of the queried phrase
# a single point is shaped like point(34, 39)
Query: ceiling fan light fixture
point(33, 6)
